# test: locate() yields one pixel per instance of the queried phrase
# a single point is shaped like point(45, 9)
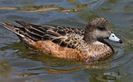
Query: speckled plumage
point(66, 42)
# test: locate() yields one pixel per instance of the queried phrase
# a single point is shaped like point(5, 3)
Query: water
point(19, 64)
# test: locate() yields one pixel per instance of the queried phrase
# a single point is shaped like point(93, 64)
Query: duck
point(87, 44)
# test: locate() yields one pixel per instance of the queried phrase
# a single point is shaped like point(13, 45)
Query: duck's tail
point(24, 30)
point(15, 29)
point(20, 32)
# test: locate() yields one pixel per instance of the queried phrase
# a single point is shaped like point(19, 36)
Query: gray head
point(97, 30)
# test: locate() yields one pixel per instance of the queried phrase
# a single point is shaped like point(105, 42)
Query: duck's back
point(63, 36)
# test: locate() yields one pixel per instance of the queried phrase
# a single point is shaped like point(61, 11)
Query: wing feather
point(64, 36)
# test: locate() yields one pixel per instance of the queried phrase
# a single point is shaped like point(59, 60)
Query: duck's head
point(98, 30)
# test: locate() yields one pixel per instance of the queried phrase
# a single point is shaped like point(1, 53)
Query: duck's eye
point(101, 28)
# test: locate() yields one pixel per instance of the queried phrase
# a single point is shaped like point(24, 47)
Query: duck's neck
point(88, 34)
point(89, 38)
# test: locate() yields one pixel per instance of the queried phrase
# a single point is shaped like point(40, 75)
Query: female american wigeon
point(85, 44)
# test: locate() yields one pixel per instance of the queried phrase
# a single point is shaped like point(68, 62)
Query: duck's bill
point(114, 38)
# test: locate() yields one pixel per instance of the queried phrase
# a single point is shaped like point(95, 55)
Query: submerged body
point(83, 44)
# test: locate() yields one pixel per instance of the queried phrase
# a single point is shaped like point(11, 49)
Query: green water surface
point(19, 64)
